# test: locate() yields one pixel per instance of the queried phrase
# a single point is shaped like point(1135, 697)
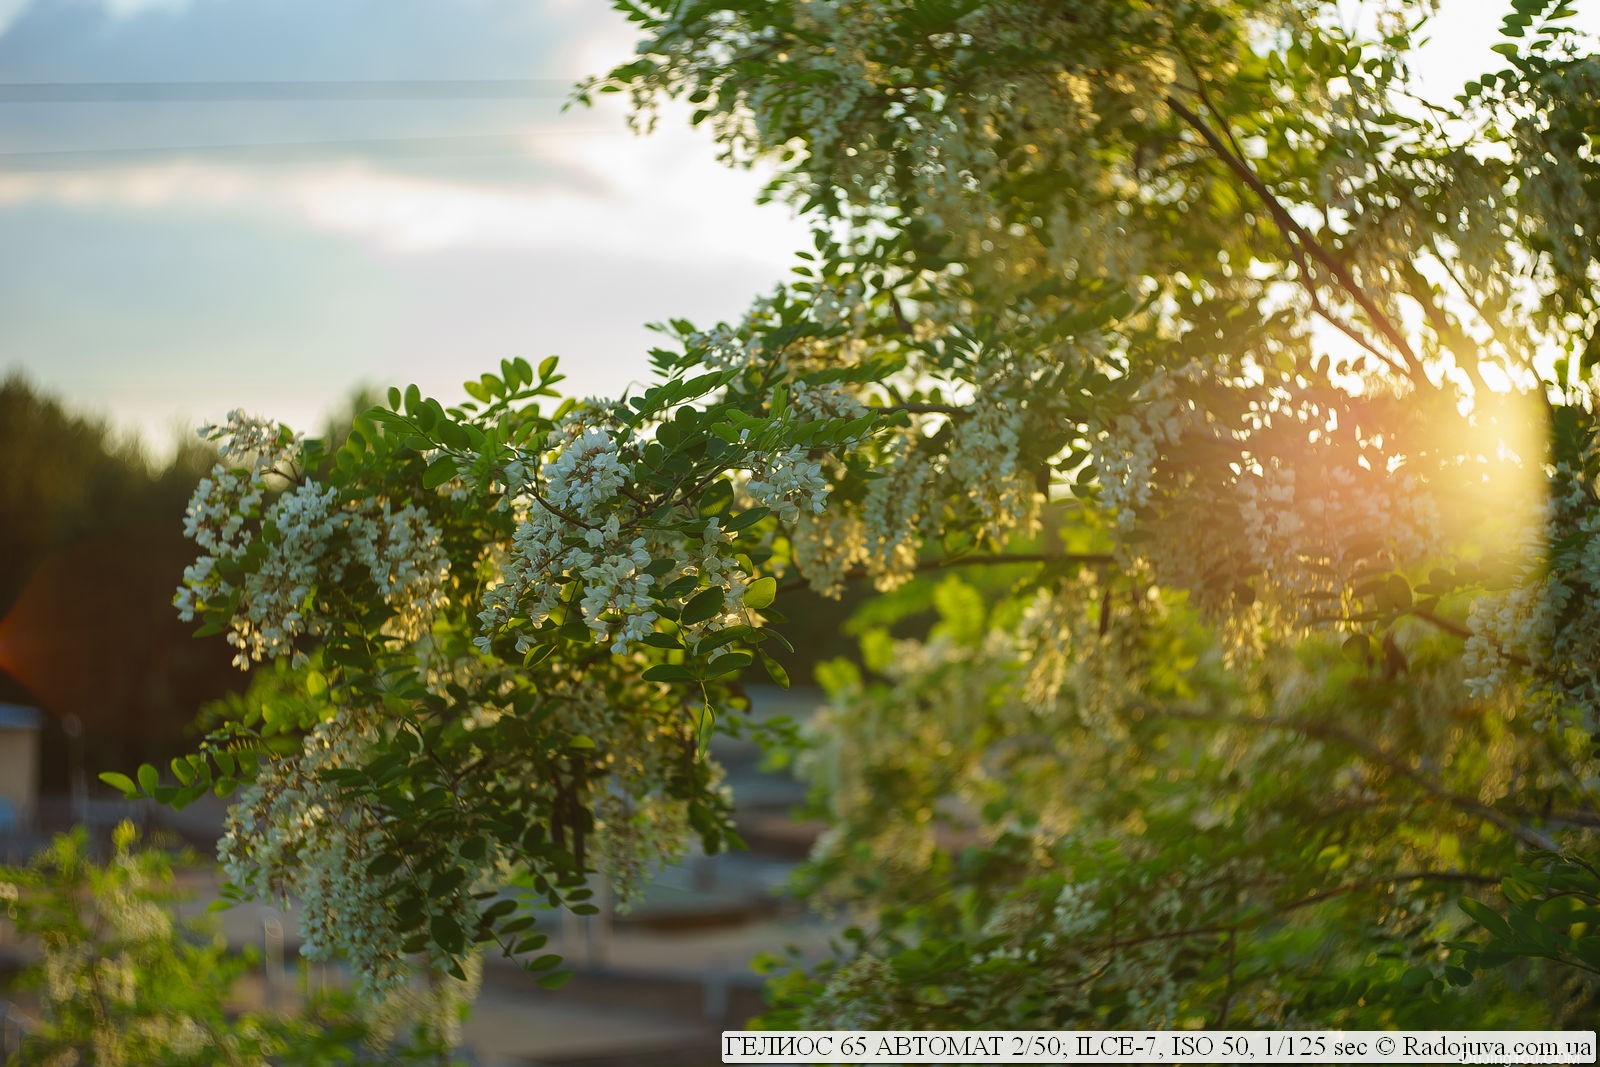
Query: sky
point(168, 253)
point(164, 261)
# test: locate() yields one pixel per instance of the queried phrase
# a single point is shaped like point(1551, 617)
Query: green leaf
point(499, 908)
point(760, 593)
point(728, 662)
point(149, 778)
point(680, 586)
point(384, 864)
point(773, 668)
point(745, 518)
point(447, 934)
point(441, 470)
point(668, 672)
point(706, 605)
point(556, 979)
point(1486, 917)
point(713, 641)
point(120, 782)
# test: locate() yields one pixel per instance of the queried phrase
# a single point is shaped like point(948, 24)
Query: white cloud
point(130, 8)
point(12, 10)
point(657, 198)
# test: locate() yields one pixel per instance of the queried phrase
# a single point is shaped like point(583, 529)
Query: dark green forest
point(91, 547)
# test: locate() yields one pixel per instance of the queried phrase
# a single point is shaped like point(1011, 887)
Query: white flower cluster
point(825, 400)
point(1276, 513)
point(895, 516)
point(841, 307)
point(277, 596)
point(585, 475)
point(579, 531)
point(291, 833)
point(222, 504)
point(915, 481)
point(403, 554)
point(436, 1002)
point(638, 827)
point(1542, 629)
point(1313, 519)
point(984, 456)
point(828, 547)
point(1126, 455)
point(858, 996)
point(789, 482)
point(722, 349)
point(271, 558)
point(571, 530)
point(1077, 658)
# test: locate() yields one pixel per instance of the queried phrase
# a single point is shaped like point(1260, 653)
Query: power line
point(271, 153)
point(232, 91)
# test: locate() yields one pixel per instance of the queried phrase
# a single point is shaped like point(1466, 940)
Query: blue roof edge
point(20, 717)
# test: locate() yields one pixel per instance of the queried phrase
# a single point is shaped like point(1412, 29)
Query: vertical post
point(716, 993)
point(571, 938)
point(77, 784)
point(601, 924)
point(272, 959)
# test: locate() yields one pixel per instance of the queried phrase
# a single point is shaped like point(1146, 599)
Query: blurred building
point(19, 766)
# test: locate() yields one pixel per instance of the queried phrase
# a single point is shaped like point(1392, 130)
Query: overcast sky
point(165, 260)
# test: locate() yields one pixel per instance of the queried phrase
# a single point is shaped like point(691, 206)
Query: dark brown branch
point(552, 509)
point(1296, 232)
point(1571, 818)
point(1490, 320)
point(1459, 344)
point(1449, 626)
point(916, 409)
point(1373, 754)
point(900, 319)
point(1087, 559)
point(1231, 929)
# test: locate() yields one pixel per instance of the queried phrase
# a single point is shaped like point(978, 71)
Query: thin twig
point(1296, 232)
point(1090, 559)
point(1373, 754)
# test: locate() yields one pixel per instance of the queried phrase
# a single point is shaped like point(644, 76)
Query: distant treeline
point(91, 549)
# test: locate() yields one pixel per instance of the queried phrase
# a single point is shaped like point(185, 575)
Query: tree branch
point(1088, 559)
point(1231, 929)
point(1373, 754)
point(1296, 232)
point(917, 409)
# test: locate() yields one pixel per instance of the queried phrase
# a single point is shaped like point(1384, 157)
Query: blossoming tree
point(1243, 399)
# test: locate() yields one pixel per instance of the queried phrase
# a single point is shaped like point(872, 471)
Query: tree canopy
point(88, 524)
point(1242, 399)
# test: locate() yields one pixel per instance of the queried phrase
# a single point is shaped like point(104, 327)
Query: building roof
point(20, 717)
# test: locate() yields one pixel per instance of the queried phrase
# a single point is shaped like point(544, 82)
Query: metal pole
point(272, 959)
point(77, 784)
